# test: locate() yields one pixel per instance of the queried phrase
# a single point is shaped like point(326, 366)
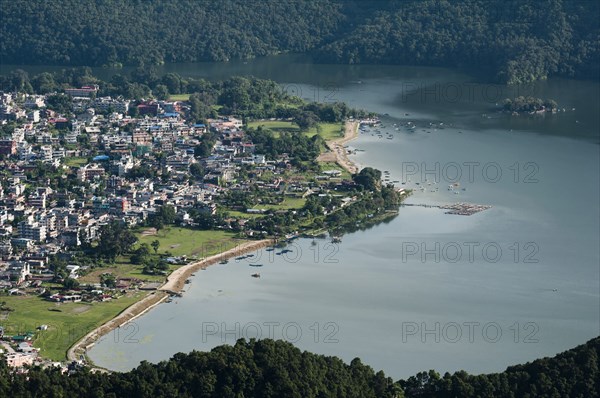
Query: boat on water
point(223, 262)
point(256, 265)
point(257, 275)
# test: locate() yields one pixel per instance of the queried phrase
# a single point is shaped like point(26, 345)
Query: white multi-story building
point(32, 230)
point(89, 172)
point(46, 153)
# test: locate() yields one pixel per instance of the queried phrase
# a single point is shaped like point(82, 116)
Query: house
point(19, 271)
point(90, 172)
point(85, 91)
point(18, 359)
point(67, 298)
point(73, 271)
point(8, 147)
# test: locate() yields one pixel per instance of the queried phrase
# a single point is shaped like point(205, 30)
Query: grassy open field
point(275, 125)
point(329, 131)
point(288, 203)
point(122, 268)
point(334, 166)
point(67, 323)
point(75, 162)
point(189, 242)
point(179, 97)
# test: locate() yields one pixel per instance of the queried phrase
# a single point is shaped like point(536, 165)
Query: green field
point(74, 320)
point(189, 242)
point(334, 166)
point(179, 97)
point(329, 131)
point(75, 162)
point(288, 203)
point(122, 268)
point(174, 240)
point(275, 125)
point(65, 327)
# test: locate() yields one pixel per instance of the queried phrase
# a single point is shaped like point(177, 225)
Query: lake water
point(426, 290)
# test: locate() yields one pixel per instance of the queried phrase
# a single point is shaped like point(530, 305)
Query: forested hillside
point(508, 41)
point(269, 368)
point(97, 32)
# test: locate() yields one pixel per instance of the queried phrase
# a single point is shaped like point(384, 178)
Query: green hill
point(508, 41)
point(270, 368)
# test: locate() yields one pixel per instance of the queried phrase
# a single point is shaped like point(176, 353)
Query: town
point(102, 197)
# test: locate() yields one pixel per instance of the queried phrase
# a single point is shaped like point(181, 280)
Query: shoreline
point(174, 284)
point(176, 279)
point(337, 153)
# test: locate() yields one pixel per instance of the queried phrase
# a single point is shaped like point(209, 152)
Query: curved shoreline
point(174, 284)
point(337, 153)
point(176, 280)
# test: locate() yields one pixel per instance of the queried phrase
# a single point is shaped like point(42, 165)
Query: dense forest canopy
point(96, 32)
point(268, 368)
point(509, 41)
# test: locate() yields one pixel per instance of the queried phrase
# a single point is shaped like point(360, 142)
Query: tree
point(205, 220)
point(59, 267)
point(115, 239)
point(165, 215)
point(204, 148)
point(70, 283)
point(172, 82)
point(19, 80)
point(369, 178)
point(161, 92)
point(108, 280)
point(141, 254)
point(155, 245)
point(60, 103)
point(44, 83)
point(197, 170)
point(305, 120)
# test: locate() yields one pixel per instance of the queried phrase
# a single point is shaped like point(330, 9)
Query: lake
point(426, 290)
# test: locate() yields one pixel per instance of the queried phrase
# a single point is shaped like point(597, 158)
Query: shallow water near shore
point(427, 290)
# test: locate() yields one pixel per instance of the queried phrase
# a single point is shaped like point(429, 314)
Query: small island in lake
point(529, 105)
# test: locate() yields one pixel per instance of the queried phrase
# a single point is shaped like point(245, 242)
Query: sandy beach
point(174, 284)
point(176, 280)
point(337, 153)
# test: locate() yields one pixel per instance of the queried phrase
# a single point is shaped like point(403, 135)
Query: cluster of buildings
point(66, 175)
